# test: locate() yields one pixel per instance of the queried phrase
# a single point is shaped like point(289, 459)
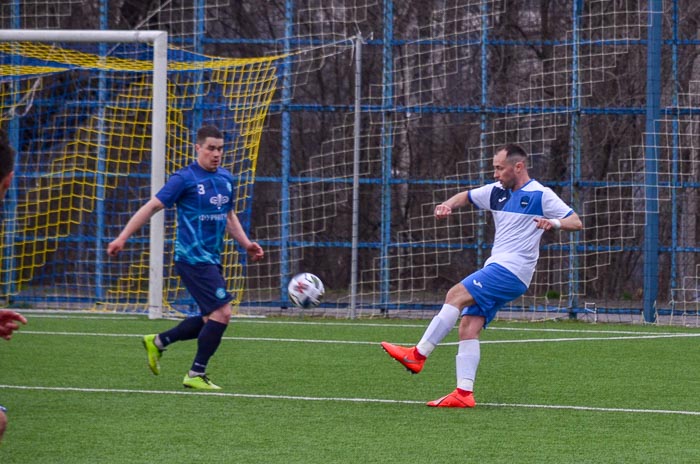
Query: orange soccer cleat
point(456, 399)
point(409, 357)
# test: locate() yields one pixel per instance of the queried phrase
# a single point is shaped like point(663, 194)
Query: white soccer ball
point(305, 290)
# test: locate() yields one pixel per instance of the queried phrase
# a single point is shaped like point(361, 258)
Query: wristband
point(556, 223)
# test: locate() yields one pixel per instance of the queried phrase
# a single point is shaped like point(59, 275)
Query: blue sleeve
point(172, 189)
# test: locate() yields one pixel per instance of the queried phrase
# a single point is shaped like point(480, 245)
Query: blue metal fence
point(664, 257)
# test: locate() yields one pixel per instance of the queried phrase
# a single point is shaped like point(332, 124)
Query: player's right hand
point(115, 247)
point(442, 211)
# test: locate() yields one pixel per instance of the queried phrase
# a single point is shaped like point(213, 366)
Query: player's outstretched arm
point(445, 208)
point(141, 217)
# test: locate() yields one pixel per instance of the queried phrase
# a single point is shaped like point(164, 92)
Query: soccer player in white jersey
point(523, 209)
point(203, 193)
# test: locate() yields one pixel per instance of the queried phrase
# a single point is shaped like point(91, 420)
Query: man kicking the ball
point(523, 209)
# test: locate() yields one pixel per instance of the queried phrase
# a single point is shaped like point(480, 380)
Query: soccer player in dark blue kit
point(203, 193)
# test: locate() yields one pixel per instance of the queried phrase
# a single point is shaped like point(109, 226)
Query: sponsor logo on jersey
point(219, 200)
point(499, 198)
point(212, 217)
point(477, 283)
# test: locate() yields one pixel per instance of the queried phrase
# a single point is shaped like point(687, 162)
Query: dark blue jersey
point(203, 201)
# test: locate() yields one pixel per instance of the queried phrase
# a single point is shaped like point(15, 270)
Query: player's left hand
point(543, 223)
point(255, 251)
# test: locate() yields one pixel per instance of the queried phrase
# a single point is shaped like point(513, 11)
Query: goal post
point(99, 118)
point(159, 41)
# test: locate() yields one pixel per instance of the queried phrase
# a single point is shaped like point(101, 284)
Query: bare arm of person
point(235, 230)
point(138, 220)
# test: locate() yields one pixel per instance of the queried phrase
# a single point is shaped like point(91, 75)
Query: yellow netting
point(84, 123)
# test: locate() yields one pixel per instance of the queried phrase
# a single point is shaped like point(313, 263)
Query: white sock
point(468, 357)
point(439, 327)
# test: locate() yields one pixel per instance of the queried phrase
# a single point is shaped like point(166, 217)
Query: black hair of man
point(205, 132)
point(514, 153)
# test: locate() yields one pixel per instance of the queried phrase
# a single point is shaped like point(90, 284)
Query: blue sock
point(207, 343)
point(185, 330)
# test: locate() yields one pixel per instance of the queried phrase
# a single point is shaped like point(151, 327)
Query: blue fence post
point(575, 153)
point(675, 157)
point(100, 210)
point(198, 47)
point(483, 122)
point(387, 143)
point(286, 152)
point(651, 161)
point(7, 261)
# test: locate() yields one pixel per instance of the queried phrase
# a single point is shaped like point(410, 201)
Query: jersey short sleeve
point(169, 193)
point(554, 207)
point(480, 196)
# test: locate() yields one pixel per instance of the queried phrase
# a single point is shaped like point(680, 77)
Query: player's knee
point(222, 314)
point(470, 327)
point(459, 297)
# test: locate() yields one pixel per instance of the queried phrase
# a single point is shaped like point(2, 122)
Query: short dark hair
point(7, 156)
point(205, 132)
point(514, 152)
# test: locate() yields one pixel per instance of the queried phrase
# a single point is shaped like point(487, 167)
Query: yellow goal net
point(80, 116)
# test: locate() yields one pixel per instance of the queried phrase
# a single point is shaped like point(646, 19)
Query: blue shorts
point(206, 284)
point(492, 287)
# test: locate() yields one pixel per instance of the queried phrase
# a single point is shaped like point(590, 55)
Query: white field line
point(261, 320)
point(338, 399)
point(424, 325)
point(355, 342)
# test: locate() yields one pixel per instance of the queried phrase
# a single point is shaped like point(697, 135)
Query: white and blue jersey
point(203, 200)
point(516, 245)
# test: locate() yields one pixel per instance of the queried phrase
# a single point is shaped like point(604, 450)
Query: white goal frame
point(159, 39)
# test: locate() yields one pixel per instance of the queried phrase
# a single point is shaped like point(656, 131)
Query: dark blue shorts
point(492, 287)
point(206, 284)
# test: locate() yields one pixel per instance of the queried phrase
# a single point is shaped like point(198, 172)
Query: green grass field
point(78, 390)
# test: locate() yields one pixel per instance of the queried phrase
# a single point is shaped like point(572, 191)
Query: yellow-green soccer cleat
point(200, 382)
point(153, 352)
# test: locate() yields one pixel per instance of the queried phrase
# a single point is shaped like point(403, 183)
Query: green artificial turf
point(78, 390)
